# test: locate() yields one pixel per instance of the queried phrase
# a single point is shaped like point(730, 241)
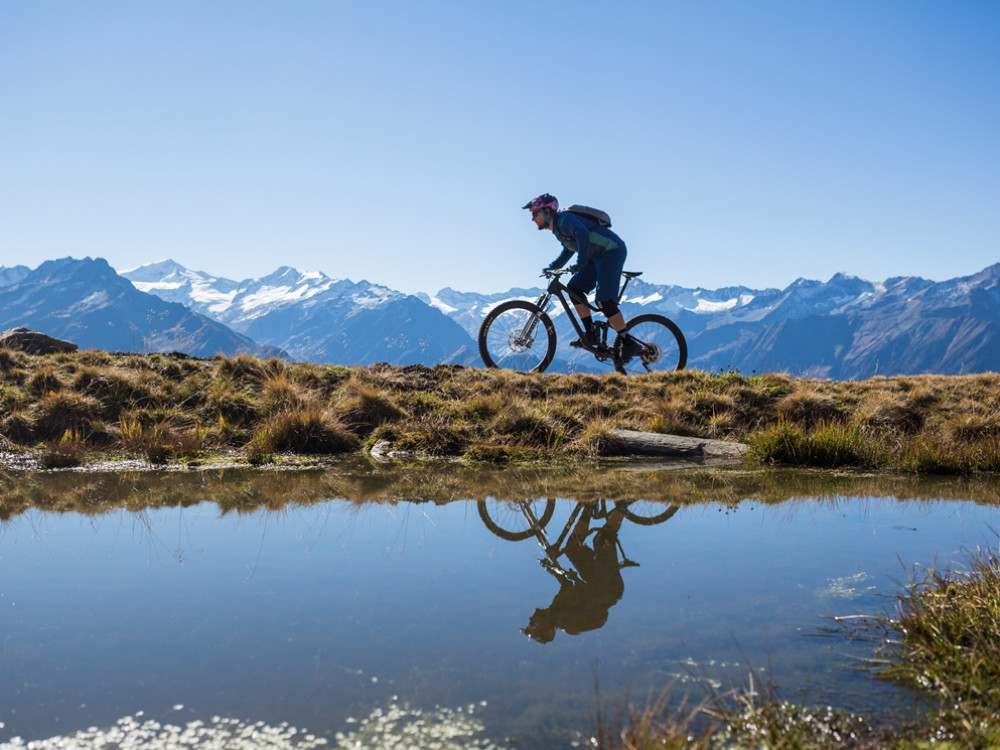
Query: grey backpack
point(591, 213)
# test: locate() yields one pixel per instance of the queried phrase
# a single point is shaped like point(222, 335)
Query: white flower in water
point(230, 734)
point(401, 726)
point(845, 587)
point(392, 727)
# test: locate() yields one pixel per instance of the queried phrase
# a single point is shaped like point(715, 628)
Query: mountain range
point(88, 303)
point(844, 328)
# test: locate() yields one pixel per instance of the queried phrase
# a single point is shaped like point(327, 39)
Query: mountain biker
point(600, 259)
point(583, 601)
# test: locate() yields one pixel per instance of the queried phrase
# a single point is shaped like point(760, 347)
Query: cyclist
point(582, 603)
point(600, 259)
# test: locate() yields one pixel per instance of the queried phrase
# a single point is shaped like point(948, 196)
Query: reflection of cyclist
point(584, 597)
point(600, 259)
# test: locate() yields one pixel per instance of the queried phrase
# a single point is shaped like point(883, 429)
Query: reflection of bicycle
point(591, 584)
point(517, 520)
point(507, 336)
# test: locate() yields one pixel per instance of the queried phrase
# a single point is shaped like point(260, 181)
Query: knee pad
point(609, 307)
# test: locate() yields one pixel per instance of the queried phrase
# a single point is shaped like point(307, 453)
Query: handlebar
point(554, 273)
point(550, 273)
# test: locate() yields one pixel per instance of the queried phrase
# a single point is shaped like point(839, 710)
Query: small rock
point(382, 450)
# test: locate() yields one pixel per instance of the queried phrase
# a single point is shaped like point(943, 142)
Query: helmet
point(542, 202)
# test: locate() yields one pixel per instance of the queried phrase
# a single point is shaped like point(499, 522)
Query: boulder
point(32, 342)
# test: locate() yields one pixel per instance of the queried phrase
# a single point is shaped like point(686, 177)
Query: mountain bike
point(519, 335)
point(517, 520)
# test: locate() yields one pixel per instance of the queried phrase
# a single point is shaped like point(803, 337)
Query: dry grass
point(187, 406)
point(943, 640)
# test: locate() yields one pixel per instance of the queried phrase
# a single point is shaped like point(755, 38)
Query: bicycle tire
point(648, 513)
point(502, 342)
point(666, 346)
point(499, 516)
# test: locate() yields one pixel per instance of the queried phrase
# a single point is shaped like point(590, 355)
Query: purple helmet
point(542, 202)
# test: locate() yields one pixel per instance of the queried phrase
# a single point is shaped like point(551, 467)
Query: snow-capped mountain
point(174, 283)
point(314, 317)
point(844, 328)
point(86, 302)
point(848, 328)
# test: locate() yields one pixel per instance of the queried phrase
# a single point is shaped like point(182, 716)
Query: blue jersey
point(583, 236)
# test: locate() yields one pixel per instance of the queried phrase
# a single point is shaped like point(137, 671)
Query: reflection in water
point(361, 481)
point(586, 594)
point(313, 597)
point(594, 584)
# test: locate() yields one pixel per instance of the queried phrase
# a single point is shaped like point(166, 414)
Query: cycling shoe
point(587, 341)
point(630, 347)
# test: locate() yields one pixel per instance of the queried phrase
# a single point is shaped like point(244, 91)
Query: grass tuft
point(366, 407)
point(59, 411)
point(307, 430)
point(824, 445)
point(68, 452)
point(948, 633)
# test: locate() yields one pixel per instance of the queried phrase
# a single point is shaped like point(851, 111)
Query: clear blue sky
point(733, 142)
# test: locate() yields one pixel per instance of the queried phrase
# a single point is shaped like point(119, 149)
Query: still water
point(316, 598)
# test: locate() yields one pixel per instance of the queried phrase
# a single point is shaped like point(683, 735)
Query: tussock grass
point(278, 393)
point(943, 640)
point(945, 637)
point(11, 360)
point(809, 408)
point(365, 406)
point(752, 717)
point(923, 424)
point(58, 411)
point(67, 452)
point(162, 440)
point(306, 430)
point(823, 444)
point(43, 381)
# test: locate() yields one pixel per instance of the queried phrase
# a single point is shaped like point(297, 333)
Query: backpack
point(591, 213)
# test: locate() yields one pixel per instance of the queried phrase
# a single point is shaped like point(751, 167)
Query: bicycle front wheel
point(664, 347)
point(517, 335)
point(515, 520)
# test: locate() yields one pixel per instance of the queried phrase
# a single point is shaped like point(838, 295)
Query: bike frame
point(560, 291)
point(555, 549)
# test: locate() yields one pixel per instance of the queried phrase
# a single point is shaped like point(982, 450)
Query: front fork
point(526, 335)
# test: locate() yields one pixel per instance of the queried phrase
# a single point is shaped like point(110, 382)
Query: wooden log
point(633, 442)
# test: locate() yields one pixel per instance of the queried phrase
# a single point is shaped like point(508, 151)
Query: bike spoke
point(516, 520)
point(517, 336)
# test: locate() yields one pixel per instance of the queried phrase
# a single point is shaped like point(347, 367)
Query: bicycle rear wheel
point(517, 335)
point(664, 350)
point(648, 513)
